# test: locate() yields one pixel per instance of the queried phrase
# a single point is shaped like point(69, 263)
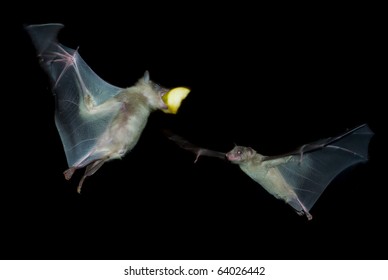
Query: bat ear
point(146, 76)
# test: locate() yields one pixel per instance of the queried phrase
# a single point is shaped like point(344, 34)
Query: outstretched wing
point(198, 151)
point(313, 166)
point(83, 111)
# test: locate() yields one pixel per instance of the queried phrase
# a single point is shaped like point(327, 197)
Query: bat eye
point(239, 152)
point(159, 89)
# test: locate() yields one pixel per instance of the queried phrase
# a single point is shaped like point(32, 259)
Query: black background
point(272, 82)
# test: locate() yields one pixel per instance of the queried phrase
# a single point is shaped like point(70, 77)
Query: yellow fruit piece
point(173, 99)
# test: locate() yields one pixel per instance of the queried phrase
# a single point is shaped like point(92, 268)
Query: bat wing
point(186, 145)
point(80, 94)
point(313, 166)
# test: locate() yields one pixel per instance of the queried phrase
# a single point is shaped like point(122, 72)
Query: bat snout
point(231, 157)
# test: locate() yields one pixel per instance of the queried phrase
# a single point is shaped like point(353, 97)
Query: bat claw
point(303, 212)
point(300, 213)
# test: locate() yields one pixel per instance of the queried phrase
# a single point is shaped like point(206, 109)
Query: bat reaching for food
point(97, 122)
point(298, 177)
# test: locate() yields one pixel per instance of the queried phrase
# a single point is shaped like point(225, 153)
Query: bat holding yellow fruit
point(97, 121)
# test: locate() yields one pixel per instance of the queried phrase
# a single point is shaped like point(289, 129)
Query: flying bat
point(97, 121)
point(298, 177)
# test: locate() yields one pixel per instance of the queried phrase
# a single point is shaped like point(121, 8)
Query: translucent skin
point(97, 121)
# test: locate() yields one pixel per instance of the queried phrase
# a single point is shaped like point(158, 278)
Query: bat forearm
point(276, 162)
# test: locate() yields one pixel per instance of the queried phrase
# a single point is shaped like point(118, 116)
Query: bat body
point(97, 122)
point(266, 174)
point(299, 177)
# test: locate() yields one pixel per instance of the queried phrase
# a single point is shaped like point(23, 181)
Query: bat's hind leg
point(90, 170)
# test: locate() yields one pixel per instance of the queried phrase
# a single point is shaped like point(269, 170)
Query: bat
point(97, 121)
point(298, 177)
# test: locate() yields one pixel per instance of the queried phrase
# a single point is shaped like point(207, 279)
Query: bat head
point(240, 154)
point(152, 92)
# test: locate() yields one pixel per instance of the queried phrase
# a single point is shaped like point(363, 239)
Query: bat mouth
point(164, 106)
point(163, 92)
point(231, 157)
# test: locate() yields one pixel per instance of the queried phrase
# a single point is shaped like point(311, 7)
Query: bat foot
point(300, 213)
point(69, 173)
point(307, 214)
point(299, 208)
point(79, 189)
